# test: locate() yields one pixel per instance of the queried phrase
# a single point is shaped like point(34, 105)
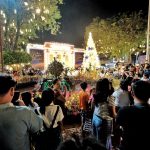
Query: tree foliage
point(23, 18)
point(117, 36)
point(56, 68)
point(16, 57)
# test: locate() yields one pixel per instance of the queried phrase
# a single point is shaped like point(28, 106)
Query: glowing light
point(25, 3)
point(3, 28)
point(43, 18)
point(1, 12)
point(38, 10)
point(15, 11)
point(4, 15)
point(21, 32)
point(46, 11)
point(33, 16)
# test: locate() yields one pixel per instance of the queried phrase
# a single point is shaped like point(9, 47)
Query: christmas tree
point(91, 60)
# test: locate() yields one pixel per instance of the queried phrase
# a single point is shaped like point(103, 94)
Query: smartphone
point(15, 97)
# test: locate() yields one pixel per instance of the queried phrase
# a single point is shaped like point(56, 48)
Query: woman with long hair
point(102, 120)
point(27, 99)
point(52, 116)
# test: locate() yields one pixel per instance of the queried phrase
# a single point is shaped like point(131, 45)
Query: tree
point(55, 68)
point(116, 36)
point(16, 57)
point(91, 60)
point(23, 18)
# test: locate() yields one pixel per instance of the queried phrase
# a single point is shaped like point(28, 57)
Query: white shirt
point(121, 98)
point(49, 115)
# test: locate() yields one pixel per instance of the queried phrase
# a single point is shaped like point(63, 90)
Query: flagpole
point(148, 34)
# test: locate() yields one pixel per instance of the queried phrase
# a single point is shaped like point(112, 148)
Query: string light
point(25, 3)
point(46, 11)
point(33, 16)
point(15, 11)
point(1, 12)
point(21, 32)
point(43, 18)
point(38, 10)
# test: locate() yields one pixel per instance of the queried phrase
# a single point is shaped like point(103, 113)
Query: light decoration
point(1, 12)
point(25, 3)
point(30, 14)
point(15, 11)
point(46, 11)
point(91, 60)
point(21, 32)
point(38, 10)
point(43, 18)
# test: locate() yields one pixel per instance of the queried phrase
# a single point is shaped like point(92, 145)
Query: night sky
point(77, 14)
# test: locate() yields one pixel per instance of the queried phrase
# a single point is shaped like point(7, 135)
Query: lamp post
point(1, 49)
point(148, 27)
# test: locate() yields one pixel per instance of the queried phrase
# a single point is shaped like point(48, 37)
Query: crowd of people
point(110, 118)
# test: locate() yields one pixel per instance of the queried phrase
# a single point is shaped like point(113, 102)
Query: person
point(83, 104)
point(134, 119)
point(146, 76)
point(16, 122)
point(16, 99)
point(122, 95)
point(102, 120)
point(27, 99)
point(48, 112)
point(59, 96)
point(75, 143)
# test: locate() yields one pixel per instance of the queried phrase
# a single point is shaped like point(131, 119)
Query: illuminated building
point(67, 54)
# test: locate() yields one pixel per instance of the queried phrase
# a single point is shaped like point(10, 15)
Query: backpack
point(48, 139)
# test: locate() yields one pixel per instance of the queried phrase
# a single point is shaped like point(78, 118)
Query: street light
point(1, 48)
point(148, 27)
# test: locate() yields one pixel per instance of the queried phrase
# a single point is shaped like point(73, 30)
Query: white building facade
point(43, 55)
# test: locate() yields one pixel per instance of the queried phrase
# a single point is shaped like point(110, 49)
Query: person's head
point(56, 84)
point(140, 91)
point(47, 98)
point(146, 75)
point(26, 97)
point(131, 73)
point(7, 86)
point(103, 85)
point(83, 85)
point(91, 143)
point(124, 85)
point(99, 98)
point(68, 144)
point(129, 80)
